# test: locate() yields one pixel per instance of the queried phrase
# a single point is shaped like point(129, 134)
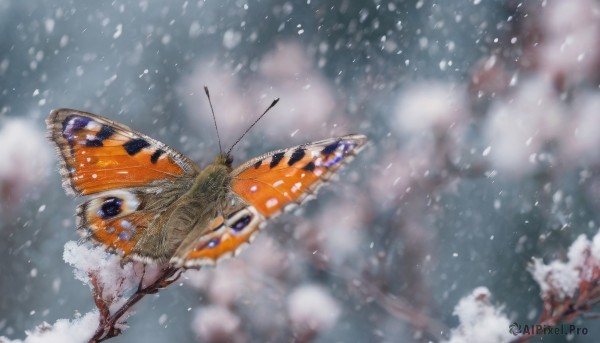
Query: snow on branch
point(63, 331)
point(100, 269)
point(480, 320)
point(569, 289)
point(116, 288)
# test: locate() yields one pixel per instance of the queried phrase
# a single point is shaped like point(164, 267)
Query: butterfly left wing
point(266, 186)
point(224, 237)
point(284, 178)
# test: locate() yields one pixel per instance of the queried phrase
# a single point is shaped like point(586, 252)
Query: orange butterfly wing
point(271, 183)
point(284, 178)
point(100, 155)
point(114, 164)
point(113, 220)
point(224, 238)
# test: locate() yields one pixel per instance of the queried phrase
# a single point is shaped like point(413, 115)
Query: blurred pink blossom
point(343, 233)
point(225, 284)
point(519, 127)
point(580, 139)
point(216, 324)
point(311, 310)
point(399, 169)
point(430, 106)
point(307, 98)
point(266, 256)
point(234, 109)
point(25, 160)
point(570, 32)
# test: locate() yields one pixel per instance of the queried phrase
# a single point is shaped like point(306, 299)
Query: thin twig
point(106, 327)
point(561, 312)
point(100, 303)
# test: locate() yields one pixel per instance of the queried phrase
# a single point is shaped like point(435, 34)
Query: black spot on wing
point(105, 132)
point(135, 145)
point(297, 155)
point(310, 166)
point(275, 159)
point(93, 142)
point(111, 207)
point(156, 155)
point(328, 150)
point(257, 164)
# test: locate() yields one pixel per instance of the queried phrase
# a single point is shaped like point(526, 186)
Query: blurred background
point(483, 125)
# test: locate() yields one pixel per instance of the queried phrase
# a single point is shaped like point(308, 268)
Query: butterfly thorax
point(211, 182)
point(224, 160)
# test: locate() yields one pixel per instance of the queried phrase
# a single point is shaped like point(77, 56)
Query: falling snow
point(481, 167)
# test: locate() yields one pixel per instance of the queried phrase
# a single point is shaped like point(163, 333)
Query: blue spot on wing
point(213, 243)
point(72, 124)
point(241, 223)
point(124, 235)
point(337, 158)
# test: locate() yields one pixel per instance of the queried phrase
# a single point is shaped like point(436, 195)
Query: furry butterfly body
point(153, 204)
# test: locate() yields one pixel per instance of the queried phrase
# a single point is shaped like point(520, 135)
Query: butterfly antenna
point(251, 126)
point(214, 119)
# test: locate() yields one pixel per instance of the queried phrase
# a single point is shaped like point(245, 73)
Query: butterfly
point(153, 204)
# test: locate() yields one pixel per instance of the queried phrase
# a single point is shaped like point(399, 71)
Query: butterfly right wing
point(98, 155)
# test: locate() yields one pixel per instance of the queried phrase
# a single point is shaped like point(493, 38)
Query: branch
point(561, 306)
point(107, 327)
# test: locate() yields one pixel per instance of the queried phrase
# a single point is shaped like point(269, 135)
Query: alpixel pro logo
point(537, 330)
point(515, 329)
